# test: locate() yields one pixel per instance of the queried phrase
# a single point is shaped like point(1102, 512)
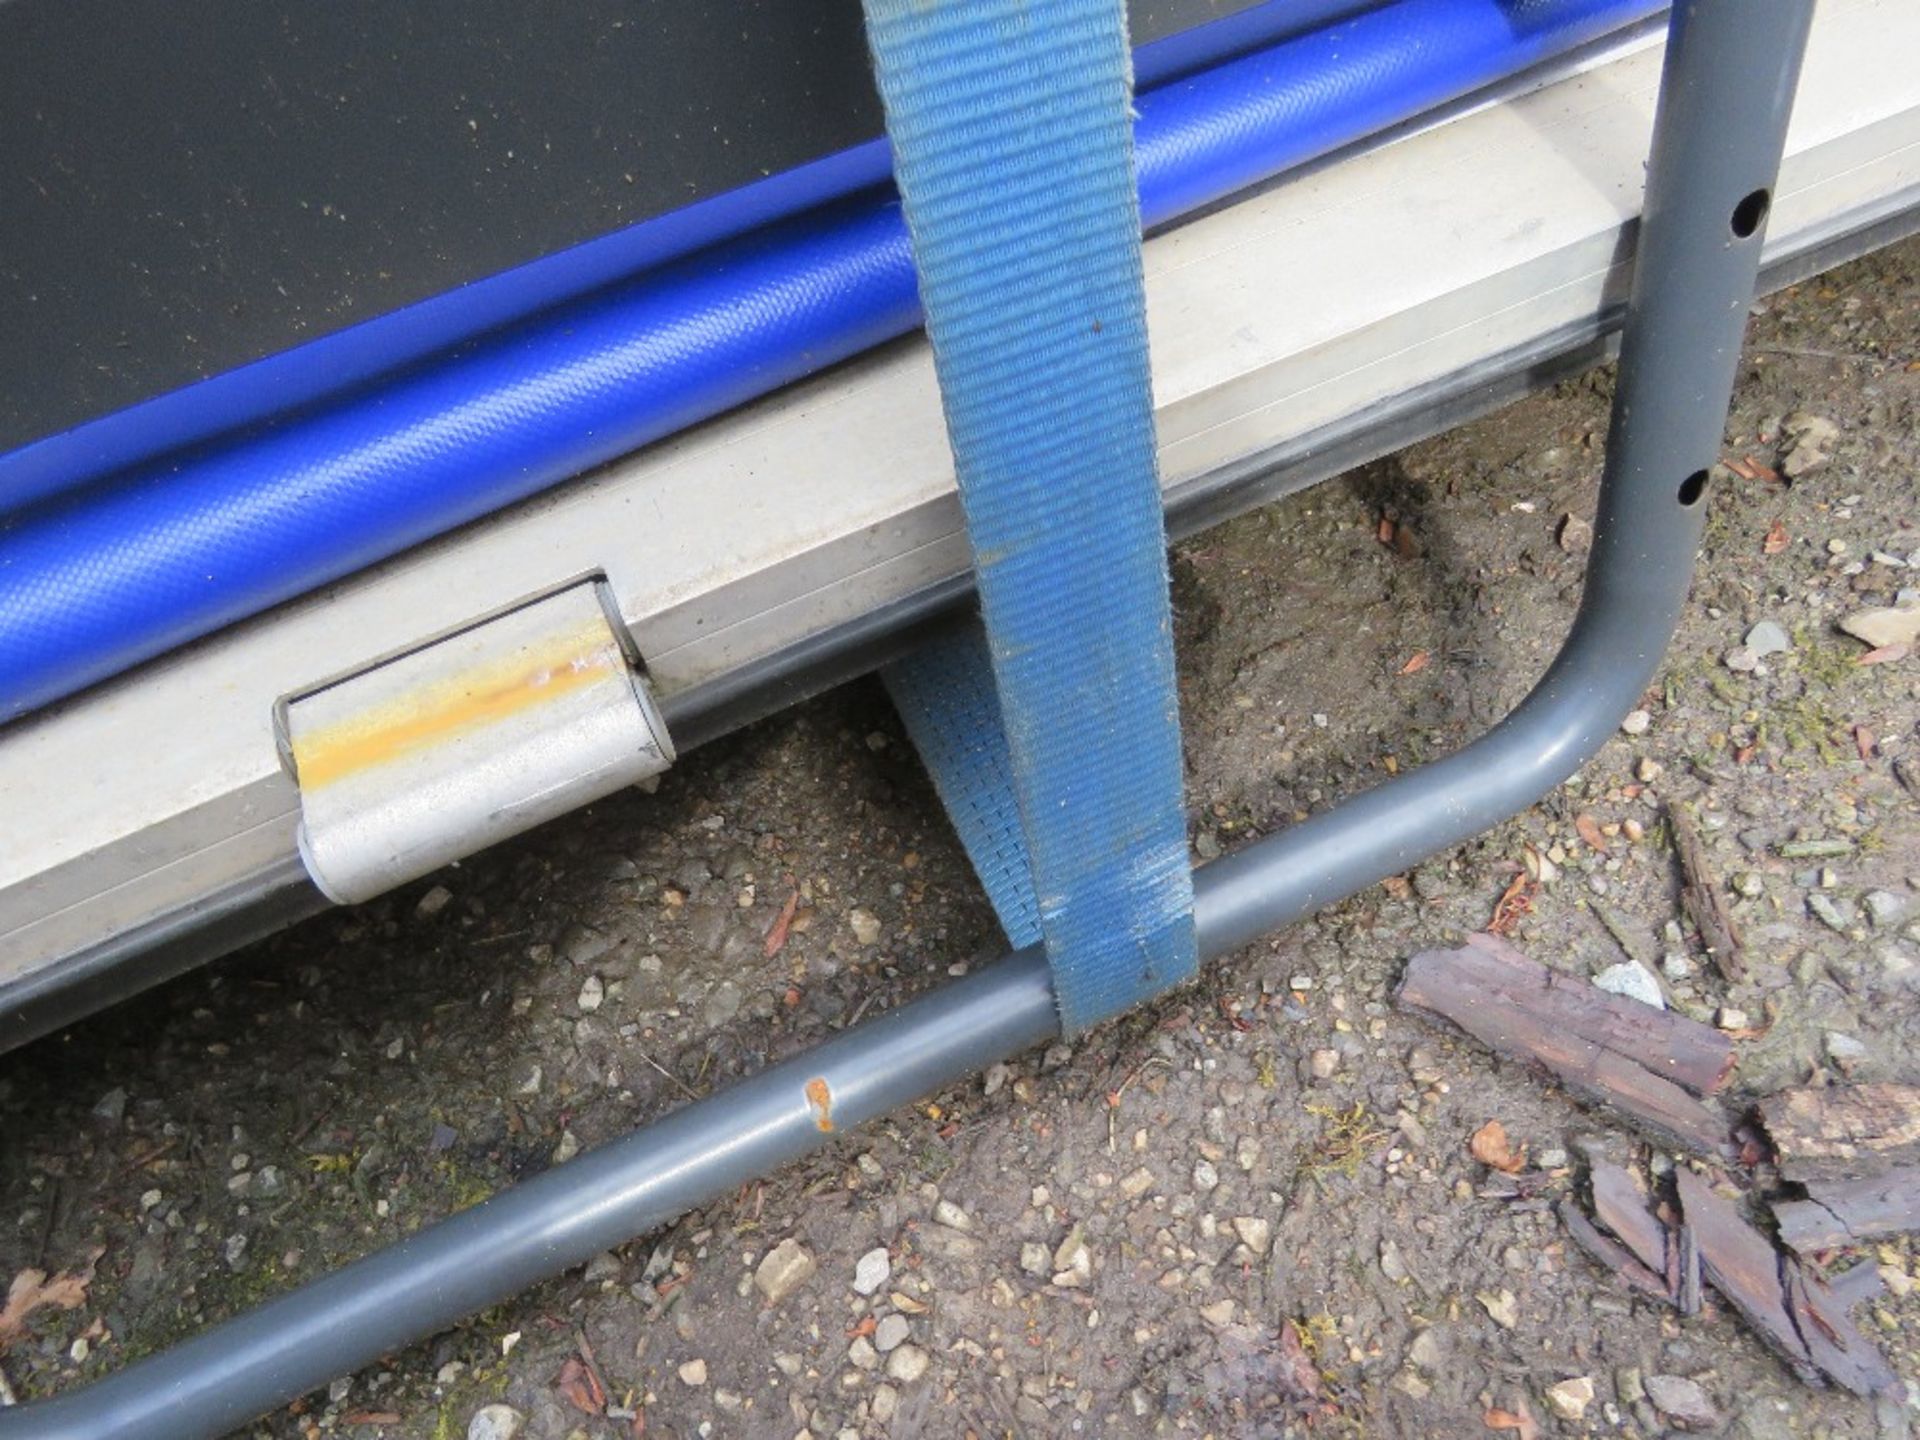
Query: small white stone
point(891, 1333)
point(1501, 1307)
point(946, 1213)
point(495, 1422)
point(785, 1269)
point(1768, 638)
point(908, 1364)
point(694, 1373)
point(1638, 722)
point(1633, 980)
point(1254, 1232)
point(1570, 1398)
point(871, 1271)
point(865, 926)
point(593, 992)
point(1844, 1049)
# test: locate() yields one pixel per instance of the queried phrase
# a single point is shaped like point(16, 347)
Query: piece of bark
point(1844, 1355)
point(1610, 1253)
point(1621, 1205)
point(1844, 1132)
point(1616, 1052)
point(1688, 1285)
point(1698, 1057)
point(1743, 1266)
point(1703, 899)
point(1845, 1212)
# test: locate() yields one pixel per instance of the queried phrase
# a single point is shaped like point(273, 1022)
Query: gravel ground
point(1250, 1210)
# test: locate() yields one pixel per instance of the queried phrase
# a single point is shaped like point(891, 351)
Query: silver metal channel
point(1726, 92)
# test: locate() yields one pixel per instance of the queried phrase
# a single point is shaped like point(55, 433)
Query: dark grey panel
point(188, 186)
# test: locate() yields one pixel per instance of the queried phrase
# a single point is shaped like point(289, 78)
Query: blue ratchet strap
point(1012, 139)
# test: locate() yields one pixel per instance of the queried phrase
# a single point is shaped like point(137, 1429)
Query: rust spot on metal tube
point(821, 1098)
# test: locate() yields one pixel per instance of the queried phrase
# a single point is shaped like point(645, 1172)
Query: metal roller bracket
point(421, 759)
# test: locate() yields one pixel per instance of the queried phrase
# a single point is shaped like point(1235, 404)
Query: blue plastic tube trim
point(114, 575)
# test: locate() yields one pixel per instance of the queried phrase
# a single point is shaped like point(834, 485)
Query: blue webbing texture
point(1013, 151)
point(945, 695)
point(94, 582)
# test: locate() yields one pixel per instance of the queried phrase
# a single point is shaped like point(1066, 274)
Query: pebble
point(1323, 1063)
point(1073, 1262)
point(1741, 659)
point(568, 1147)
point(1501, 1307)
point(865, 926)
point(1749, 885)
point(593, 992)
point(1634, 981)
point(947, 1213)
point(908, 1364)
point(1647, 771)
point(1205, 1177)
point(1829, 912)
point(871, 1271)
point(1810, 436)
point(1768, 638)
point(1570, 1398)
point(1426, 1350)
point(1034, 1258)
point(1731, 1019)
point(1844, 1049)
point(1638, 722)
point(1137, 1183)
point(111, 1107)
point(891, 1333)
point(495, 1422)
point(433, 902)
point(1682, 1400)
point(1254, 1232)
point(787, 1267)
point(862, 1355)
point(694, 1372)
point(1896, 626)
point(885, 1401)
point(1219, 1314)
point(1884, 907)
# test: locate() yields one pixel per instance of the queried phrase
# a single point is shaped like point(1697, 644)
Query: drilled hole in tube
point(1693, 487)
point(1748, 214)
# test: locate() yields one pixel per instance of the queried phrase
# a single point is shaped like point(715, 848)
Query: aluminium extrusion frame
point(1726, 92)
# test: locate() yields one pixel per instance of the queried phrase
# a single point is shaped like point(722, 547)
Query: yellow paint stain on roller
point(437, 713)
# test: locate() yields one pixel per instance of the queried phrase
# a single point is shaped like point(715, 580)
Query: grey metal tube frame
point(1725, 96)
